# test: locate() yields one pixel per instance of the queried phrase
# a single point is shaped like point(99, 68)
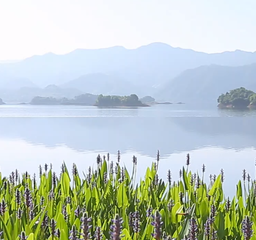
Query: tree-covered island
point(119, 101)
point(92, 100)
point(239, 98)
point(84, 99)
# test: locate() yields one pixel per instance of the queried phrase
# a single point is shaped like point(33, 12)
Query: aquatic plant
point(108, 203)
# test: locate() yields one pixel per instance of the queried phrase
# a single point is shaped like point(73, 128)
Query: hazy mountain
point(14, 83)
point(26, 94)
point(206, 83)
point(100, 83)
point(149, 65)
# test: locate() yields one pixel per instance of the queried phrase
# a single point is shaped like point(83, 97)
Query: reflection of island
point(138, 134)
point(239, 98)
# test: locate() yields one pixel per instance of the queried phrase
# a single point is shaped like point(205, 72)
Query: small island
point(239, 98)
point(92, 100)
point(119, 101)
point(84, 99)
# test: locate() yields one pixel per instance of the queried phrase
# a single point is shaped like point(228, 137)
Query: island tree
point(131, 100)
point(237, 98)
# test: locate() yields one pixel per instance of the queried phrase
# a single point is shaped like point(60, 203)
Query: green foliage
point(238, 98)
point(72, 207)
point(131, 100)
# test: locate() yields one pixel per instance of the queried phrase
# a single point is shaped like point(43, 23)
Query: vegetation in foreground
point(238, 98)
point(107, 203)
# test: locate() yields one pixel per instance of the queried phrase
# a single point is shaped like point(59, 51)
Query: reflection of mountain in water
point(144, 135)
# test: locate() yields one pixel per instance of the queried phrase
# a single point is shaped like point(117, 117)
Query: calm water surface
point(33, 135)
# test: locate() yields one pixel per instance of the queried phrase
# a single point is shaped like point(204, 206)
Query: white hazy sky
point(30, 27)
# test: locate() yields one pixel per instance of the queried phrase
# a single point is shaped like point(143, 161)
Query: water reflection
point(219, 139)
point(143, 135)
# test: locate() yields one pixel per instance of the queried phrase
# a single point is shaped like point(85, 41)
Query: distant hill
point(146, 67)
point(100, 83)
point(206, 83)
point(26, 94)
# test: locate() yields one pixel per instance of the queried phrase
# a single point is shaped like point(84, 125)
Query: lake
point(220, 139)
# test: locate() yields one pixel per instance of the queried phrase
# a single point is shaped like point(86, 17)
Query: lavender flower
point(45, 167)
point(207, 228)
point(57, 233)
point(45, 221)
point(40, 171)
point(19, 213)
point(73, 233)
point(149, 212)
point(247, 228)
point(28, 197)
point(98, 159)
point(170, 205)
point(98, 234)
point(18, 196)
point(89, 176)
point(203, 168)
point(188, 160)
point(3, 207)
point(65, 213)
point(181, 197)
point(222, 175)
point(116, 228)
point(136, 222)
point(122, 175)
point(63, 168)
point(180, 173)
point(105, 178)
point(53, 227)
point(212, 214)
point(214, 178)
point(34, 181)
point(193, 229)
point(54, 180)
point(134, 160)
point(228, 205)
point(111, 168)
point(198, 183)
point(169, 177)
point(158, 156)
point(130, 220)
point(85, 226)
point(244, 175)
point(78, 211)
point(26, 175)
point(23, 236)
point(248, 177)
point(31, 215)
point(16, 176)
point(118, 156)
point(157, 223)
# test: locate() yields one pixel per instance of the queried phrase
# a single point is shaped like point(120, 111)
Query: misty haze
point(127, 119)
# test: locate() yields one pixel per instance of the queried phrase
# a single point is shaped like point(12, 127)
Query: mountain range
point(157, 69)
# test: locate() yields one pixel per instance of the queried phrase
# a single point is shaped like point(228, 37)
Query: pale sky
point(31, 27)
